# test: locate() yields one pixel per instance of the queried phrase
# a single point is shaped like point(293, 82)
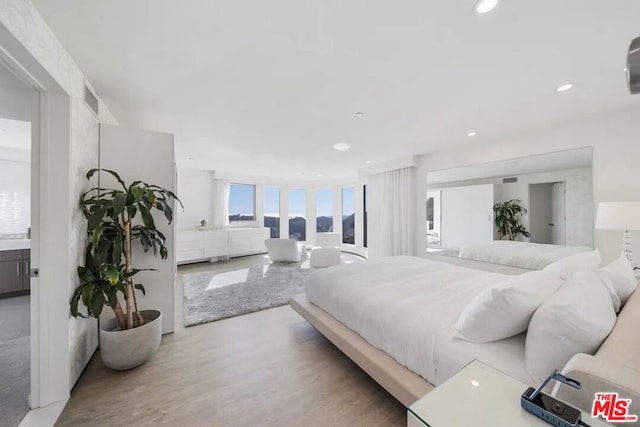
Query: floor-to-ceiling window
point(272, 210)
point(324, 210)
point(348, 215)
point(297, 214)
point(242, 202)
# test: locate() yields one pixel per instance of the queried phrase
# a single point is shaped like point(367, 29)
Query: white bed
point(417, 328)
point(532, 256)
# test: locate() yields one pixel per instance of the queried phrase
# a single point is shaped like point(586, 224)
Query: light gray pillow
point(505, 309)
point(620, 280)
point(575, 319)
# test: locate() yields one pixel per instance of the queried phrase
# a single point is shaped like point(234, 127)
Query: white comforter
point(407, 306)
point(534, 256)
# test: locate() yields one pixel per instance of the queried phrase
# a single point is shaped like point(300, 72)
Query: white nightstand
point(478, 396)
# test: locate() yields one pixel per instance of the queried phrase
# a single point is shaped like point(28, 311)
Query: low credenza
point(196, 245)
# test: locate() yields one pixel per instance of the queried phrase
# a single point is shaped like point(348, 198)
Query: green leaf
point(119, 202)
point(97, 303)
point(117, 249)
point(139, 287)
point(137, 192)
point(116, 176)
point(112, 273)
point(96, 218)
point(87, 291)
point(132, 211)
point(148, 220)
point(85, 275)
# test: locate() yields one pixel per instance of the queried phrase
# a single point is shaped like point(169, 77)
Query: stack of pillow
point(567, 308)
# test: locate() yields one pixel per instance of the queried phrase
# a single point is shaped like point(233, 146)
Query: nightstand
point(479, 396)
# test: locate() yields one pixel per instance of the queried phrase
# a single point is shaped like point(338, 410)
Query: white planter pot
point(127, 349)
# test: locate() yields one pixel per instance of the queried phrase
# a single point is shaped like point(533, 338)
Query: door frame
point(51, 189)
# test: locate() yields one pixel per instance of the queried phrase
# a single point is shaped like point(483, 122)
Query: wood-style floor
point(269, 368)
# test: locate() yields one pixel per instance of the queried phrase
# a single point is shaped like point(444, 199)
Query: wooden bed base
point(399, 381)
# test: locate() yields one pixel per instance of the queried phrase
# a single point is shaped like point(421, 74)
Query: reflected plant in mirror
point(507, 219)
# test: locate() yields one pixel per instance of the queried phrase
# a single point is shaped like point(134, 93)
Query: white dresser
point(195, 245)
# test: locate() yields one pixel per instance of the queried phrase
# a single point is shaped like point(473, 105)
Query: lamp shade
point(618, 216)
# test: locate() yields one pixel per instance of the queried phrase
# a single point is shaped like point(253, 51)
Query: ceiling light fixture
point(359, 114)
point(471, 134)
point(484, 6)
point(565, 87)
point(368, 162)
point(341, 146)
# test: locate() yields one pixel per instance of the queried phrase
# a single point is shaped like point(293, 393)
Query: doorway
point(16, 119)
point(547, 213)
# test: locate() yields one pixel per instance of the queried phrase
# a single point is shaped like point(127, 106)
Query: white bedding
point(533, 256)
point(406, 307)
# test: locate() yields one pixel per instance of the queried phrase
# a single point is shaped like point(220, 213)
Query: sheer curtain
point(220, 203)
point(392, 212)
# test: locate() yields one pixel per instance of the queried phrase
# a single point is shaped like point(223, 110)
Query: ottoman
point(324, 257)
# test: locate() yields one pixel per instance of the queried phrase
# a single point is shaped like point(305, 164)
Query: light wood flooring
point(269, 368)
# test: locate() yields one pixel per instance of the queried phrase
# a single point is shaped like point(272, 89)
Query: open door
point(558, 214)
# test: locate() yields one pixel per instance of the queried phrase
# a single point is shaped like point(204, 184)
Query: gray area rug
point(210, 296)
point(15, 380)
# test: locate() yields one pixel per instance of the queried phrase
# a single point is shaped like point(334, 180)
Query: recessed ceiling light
point(341, 146)
point(471, 134)
point(475, 383)
point(565, 87)
point(368, 162)
point(484, 6)
point(359, 114)
point(2, 130)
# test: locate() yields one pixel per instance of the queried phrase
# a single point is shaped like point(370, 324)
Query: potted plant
point(508, 216)
point(118, 219)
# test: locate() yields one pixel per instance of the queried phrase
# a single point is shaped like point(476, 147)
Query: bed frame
point(399, 381)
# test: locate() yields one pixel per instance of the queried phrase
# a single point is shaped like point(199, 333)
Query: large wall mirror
point(554, 192)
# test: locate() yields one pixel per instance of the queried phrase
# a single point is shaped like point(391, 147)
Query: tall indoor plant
point(507, 219)
point(117, 220)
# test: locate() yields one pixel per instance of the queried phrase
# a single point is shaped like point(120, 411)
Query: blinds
point(15, 199)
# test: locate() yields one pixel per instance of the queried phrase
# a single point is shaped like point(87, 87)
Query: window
point(297, 215)
point(242, 202)
point(272, 210)
point(324, 210)
point(348, 215)
point(364, 204)
point(15, 201)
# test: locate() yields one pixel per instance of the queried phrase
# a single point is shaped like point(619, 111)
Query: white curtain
point(392, 212)
point(220, 203)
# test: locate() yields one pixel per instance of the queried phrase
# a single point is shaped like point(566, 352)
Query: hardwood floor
point(269, 368)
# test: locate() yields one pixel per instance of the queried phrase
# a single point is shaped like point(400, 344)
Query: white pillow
point(575, 319)
point(566, 266)
point(620, 280)
point(506, 309)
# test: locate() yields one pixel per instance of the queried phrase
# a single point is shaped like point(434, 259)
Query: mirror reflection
point(525, 212)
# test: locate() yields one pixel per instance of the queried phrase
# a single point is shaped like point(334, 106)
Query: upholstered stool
point(324, 257)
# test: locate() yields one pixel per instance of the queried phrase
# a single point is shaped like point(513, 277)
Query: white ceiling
point(268, 87)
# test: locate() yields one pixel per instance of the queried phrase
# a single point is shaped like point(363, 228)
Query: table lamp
point(620, 216)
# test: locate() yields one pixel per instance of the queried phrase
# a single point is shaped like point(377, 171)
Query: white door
point(558, 214)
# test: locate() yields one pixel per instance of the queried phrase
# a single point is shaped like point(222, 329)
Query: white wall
point(24, 22)
point(195, 189)
point(616, 175)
